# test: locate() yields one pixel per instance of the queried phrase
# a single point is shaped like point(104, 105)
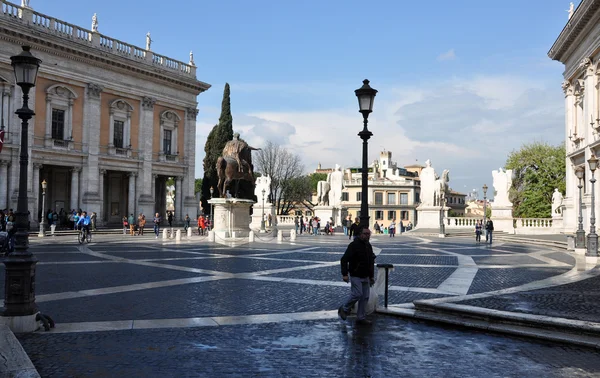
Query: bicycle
point(82, 236)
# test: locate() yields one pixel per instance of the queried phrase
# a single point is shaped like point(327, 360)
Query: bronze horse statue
point(229, 171)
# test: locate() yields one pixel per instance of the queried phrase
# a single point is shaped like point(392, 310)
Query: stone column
point(3, 184)
point(131, 196)
point(145, 181)
point(178, 199)
point(100, 213)
point(154, 177)
point(48, 135)
point(75, 188)
point(90, 181)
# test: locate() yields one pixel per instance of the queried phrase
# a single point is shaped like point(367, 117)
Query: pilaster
point(90, 183)
point(4, 184)
point(75, 188)
point(145, 180)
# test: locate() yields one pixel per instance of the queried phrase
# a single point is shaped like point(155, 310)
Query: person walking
point(156, 221)
point(125, 224)
point(170, 219)
point(358, 269)
point(187, 222)
point(131, 222)
point(141, 224)
point(354, 228)
point(93, 218)
point(489, 230)
point(478, 227)
point(392, 229)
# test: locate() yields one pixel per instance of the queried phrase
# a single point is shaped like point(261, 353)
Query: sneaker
point(341, 313)
point(363, 322)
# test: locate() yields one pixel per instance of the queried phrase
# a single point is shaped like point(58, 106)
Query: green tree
point(220, 134)
point(197, 185)
point(315, 178)
point(538, 168)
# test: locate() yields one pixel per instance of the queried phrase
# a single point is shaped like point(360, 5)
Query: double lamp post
point(592, 237)
point(19, 288)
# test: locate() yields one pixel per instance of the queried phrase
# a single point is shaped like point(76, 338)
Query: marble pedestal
point(429, 216)
point(324, 213)
point(257, 213)
point(231, 217)
point(503, 219)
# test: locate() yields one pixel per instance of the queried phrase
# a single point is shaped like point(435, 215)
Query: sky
point(462, 83)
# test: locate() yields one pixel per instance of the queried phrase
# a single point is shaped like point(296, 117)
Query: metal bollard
point(387, 268)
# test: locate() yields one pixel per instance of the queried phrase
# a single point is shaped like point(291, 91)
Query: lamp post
point(212, 221)
point(592, 238)
point(41, 234)
point(485, 188)
point(19, 290)
point(580, 234)
point(366, 97)
point(442, 202)
point(262, 218)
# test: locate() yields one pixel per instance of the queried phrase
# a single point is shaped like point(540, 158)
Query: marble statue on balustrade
point(336, 185)
point(502, 185)
point(148, 41)
point(235, 170)
point(25, 4)
point(432, 186)
point(557, 201)
point(95, 23)
point(263, 183)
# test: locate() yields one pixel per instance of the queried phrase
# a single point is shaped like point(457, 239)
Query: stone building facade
point(578, 48)
point(113, 121)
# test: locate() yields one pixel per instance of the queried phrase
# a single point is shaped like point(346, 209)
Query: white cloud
point(448, 55)
point(468, 125)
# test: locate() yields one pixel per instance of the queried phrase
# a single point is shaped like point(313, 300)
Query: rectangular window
point(391, 198)
point(403, 198)
point(378, 198)
point(417, 198)
point(359, 196)
point(58, 124)
point(167, 142)
point(344, 196)
point(378, 215)
point(404, 215)
point(119, 127)
point(391, 215)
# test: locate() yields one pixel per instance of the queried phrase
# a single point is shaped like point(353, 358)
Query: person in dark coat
point(358, 269)
point(354, 229)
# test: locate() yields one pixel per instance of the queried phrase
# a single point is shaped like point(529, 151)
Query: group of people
point(312, 226)
point(488, 228)
point(204, 224)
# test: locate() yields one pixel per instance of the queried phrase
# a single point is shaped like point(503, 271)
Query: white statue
point(323, 188)
point(571, 10)
point(25, 3)
point(227, 194)
point(336, 184)
point(262, 183)
point(95, 23)
point(557, 200)
point(192, 58)
point(441, 188)
point(428, 178)
point(502, 184)
point(148, 41)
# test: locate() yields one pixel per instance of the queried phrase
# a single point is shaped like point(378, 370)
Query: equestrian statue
point(235, 170)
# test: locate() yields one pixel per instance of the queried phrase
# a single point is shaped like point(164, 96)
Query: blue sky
point(462, 83)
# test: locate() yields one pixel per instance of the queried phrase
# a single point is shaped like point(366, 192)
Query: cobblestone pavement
point(247, 310)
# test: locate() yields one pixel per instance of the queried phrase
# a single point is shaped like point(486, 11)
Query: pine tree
point(220, 134)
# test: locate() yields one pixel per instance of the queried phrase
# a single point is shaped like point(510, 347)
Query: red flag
point(1, 139)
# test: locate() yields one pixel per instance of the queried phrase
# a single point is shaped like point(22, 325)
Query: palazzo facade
point(113, 121)
point(578, 48)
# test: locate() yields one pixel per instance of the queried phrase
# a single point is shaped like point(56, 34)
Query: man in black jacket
point(354, 229)
point(489, 230)
point(358, 261)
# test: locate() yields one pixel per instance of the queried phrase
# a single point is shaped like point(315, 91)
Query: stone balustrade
point(62, 29)
point(285, 220)
point(520, 226)
point(461, 222)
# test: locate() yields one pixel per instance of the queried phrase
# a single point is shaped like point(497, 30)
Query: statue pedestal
point(503, 219)
point(429, 216)
point(231, 216)
point(324, 213)
point(257, 213)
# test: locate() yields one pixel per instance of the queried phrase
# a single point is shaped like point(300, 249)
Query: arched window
point(59, 115)
point(119, 142)
point(169, 122)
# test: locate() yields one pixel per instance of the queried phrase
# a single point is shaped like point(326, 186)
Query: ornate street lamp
point(366, 97)
point(43, 222)
point(592, 238)
point(262, 219)
point(485, 188)
point(212, 221)
point(19, 288)
point(580, 234)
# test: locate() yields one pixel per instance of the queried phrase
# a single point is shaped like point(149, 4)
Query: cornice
point(573, 29)
point(67, 49)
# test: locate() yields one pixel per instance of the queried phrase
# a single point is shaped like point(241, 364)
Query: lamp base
point(21, 324)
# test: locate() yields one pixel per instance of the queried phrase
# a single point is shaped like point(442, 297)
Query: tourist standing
point(478, 228)
point(170, 219)
point(156, 221)
point(489, 230)
point(141, 223)
point(354, 228)
point(131, 221)
point(92, 219)
point(392, 229)
point(187, 222)
point(358, 269)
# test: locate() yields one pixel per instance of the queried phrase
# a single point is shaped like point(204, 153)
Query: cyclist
point(84, 223)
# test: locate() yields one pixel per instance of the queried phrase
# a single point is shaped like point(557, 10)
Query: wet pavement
point(150, 309)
